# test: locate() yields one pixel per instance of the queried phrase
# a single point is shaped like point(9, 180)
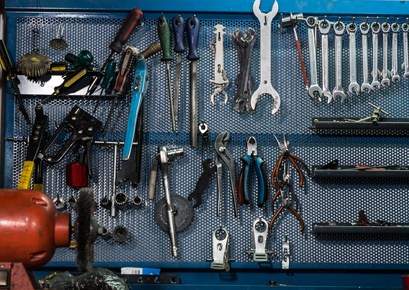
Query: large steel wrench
point(394, 72)
point(385, 72)
point(405, 65)
point(353, 87)
point(314, 89)
point(265, 86)
point(338, 91)
point(366, 86)
point(324, 27)
point(375, 71)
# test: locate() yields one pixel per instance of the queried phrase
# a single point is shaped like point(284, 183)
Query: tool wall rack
point(320, 201)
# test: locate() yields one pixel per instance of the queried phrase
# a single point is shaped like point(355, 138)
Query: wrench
point(324, 27)
point(405, 65)
point(314, 89)
point(394, 71)
point(265, 86)
point(339, 28)
point(353, 87)
point(385, 72)
point(365, 87)
point(375, 71)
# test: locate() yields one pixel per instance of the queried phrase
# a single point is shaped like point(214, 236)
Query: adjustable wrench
point(339, 28)
point(314, 89)
point(385, 72)
point(324, 27)
point(353, 87)
point(405, 65)
point(394, 71)
point(375, 71)
point(365, 87)
point(265, 86)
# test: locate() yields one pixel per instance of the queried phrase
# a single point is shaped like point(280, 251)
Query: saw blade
point(183, 213)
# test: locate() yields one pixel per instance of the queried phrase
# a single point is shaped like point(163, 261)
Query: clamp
point(259, 242)
point(242, 192)
point(220, 250)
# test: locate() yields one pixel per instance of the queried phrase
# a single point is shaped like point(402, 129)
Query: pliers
point(222, 154)
point(286, 154)
point(242, 192)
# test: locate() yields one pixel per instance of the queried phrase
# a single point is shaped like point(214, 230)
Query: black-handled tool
point(202, 183)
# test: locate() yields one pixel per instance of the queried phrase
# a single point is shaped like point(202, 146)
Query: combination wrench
point(353, 87)
point(375, 27)
point(265, 86)
point(314, 89)
point(324, 27)
point(366, 86)
point(394, 71)
point(405, 65)
point(338, 91)
point(385, 72)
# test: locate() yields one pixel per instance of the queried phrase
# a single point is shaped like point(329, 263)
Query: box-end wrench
point(385, 72)
point(375, 27)
point(339, 28)
point(324, 27)
point(366, 86)
point(405, 65)
point(394, 72)
point(314, 89)
point(353, 87)
point(265, 86)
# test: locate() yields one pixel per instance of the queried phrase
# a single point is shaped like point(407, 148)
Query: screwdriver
point(164, 37)
point(8, 68)
point(192, 34)
point(178, 27)
point(109, 72)
point(134, 18)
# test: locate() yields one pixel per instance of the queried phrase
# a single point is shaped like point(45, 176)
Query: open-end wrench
point(338, 91)
point(265, 86)
point(405, 65)
point(366, 86)
point(394, 72)
point(324, 27)
point(385, 72)
point(353, 87)
point(375, 71)
point(314, 89)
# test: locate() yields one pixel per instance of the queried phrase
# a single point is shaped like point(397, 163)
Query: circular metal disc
point(183, 213)
point(58, 44)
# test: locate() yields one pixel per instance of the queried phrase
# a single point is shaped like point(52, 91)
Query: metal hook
point(387, 20)
point(366, 21)
point(397, 20)
point(353, 20)
point(281, 19)
point(325, 18)
point(377, 18)
point(407, 20)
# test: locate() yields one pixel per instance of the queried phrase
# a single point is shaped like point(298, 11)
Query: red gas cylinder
point(30, 227)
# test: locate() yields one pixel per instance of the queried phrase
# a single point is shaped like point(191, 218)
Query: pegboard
point(320, 200)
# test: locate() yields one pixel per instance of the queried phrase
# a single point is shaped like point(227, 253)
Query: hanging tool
point(244, 43)
point(220, 80)
point(405, 65)
point(366, 86)
point(83, 59)
point(375, 117)
point(192, 34)
point(265, 86)
point(202, 183)
point(222, 154)
point(324, 27)
point(314, 90)
point(220, 250)
point(34, 144)
point(109, 74)
point(204, 132)
point(353, 87)
point(178, 27)
point(11, 76)
point(285, 264)
point(134, 18)
point(242, 183)
point(394, 71)
point(164, 37)
point(375, 27)
point(76, 173)
point(386, 74)
point(339, 28)
point(259, 241)
point(58, 43)
point(292, 21)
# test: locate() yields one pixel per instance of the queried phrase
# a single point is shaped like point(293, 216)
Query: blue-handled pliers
point(242, 184)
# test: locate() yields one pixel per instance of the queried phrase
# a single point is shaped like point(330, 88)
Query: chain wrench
point(375, 71)
point(324, 27)
point(314, 89)
point(366, 86)
point(339, 28)
point(220, 80)
point(394, 71)
point(405, 65)
point(353, 87)
point(265, 86)
point(385, 72)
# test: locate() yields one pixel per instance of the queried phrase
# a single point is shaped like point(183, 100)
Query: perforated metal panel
point(320, 200)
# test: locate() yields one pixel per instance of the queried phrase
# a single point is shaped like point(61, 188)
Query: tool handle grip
point(304, 73)
point(192, 34)
point(262, 181)
point(164, 38)
point(5, 60)
point(152, 181)
point(151, 50)
point(178, 27)
point(242, 192)
point(25, 179)
point(134, 18)
point(109, 72)
point(38, 175)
